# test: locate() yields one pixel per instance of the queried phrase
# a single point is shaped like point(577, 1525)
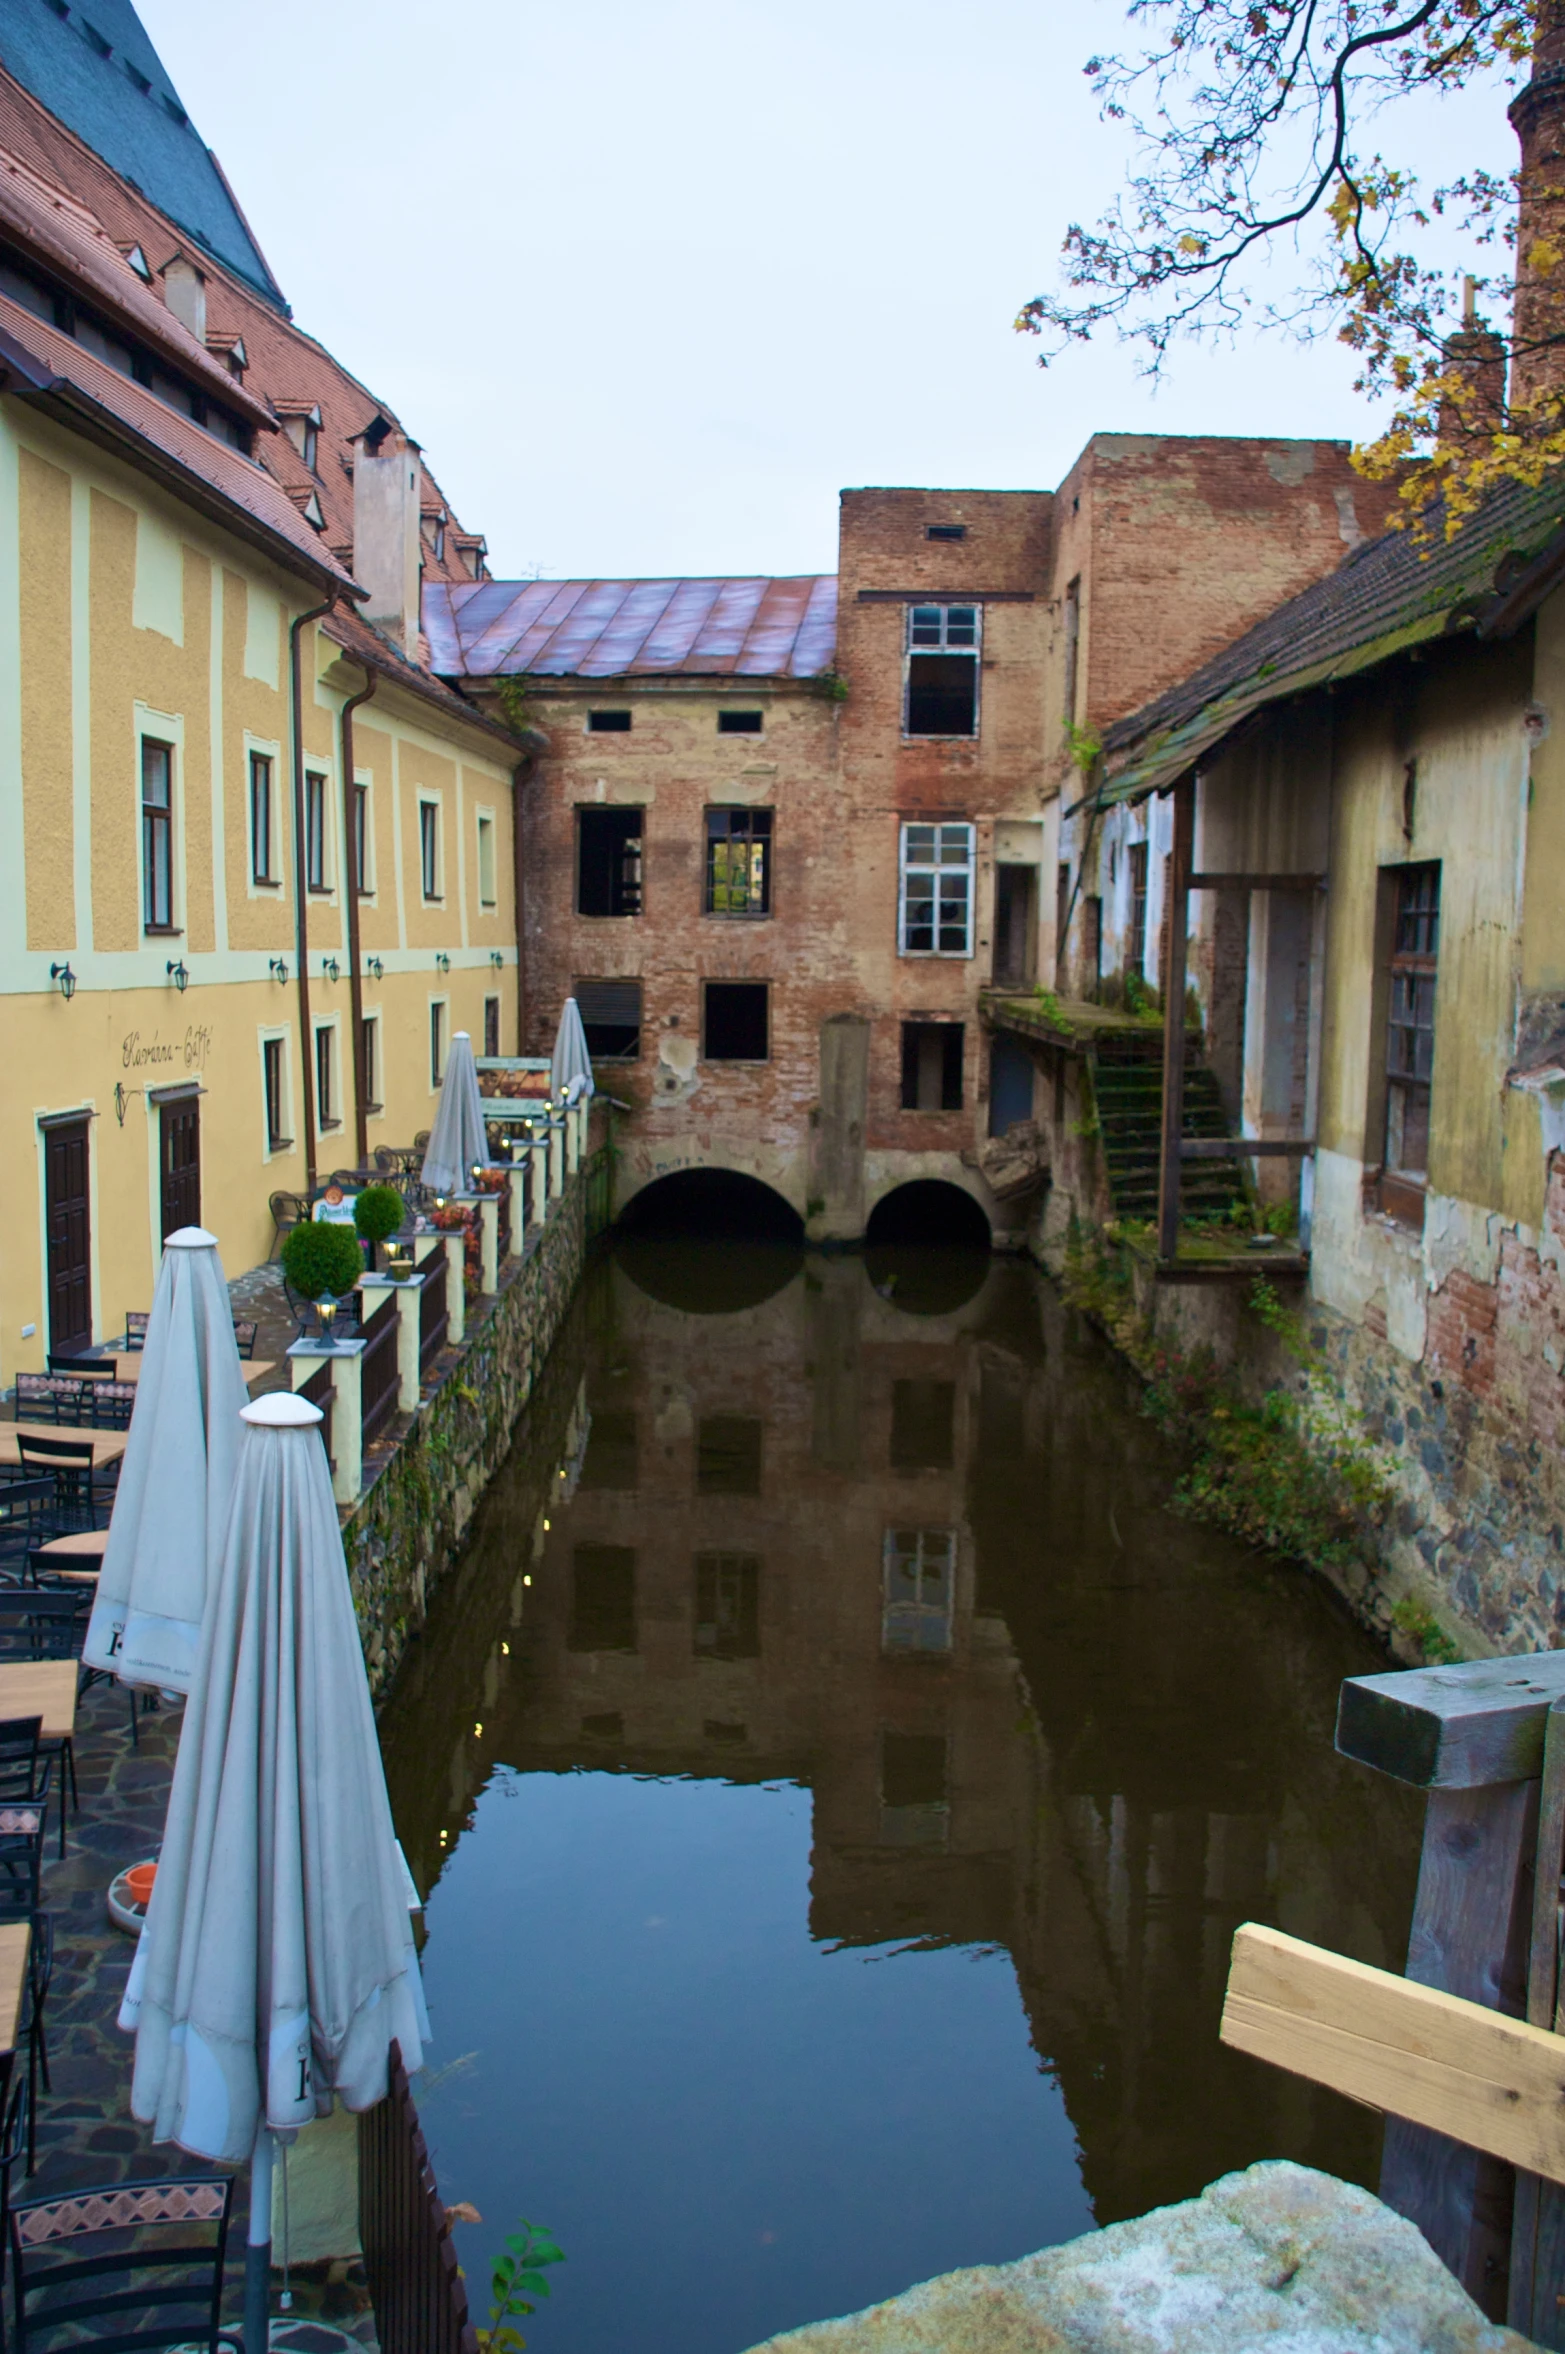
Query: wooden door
point(180, 1124)
point(69, 1229)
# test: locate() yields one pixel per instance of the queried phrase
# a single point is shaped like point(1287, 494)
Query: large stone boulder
point(1277, 2260)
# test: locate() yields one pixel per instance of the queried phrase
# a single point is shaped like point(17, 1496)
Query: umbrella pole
point(258, 2255)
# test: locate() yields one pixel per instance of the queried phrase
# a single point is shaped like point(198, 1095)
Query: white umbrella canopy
point(457, 1140)
point(171, 1505)
point(570, 1071)
point(277, 1962)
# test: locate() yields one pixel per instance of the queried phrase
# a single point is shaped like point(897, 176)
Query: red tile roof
point(750, 628)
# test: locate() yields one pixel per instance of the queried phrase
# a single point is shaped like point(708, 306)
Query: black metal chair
point(40, 1973)
point(70, 1463)
point(245, 1330)
point(133, 2265)
point(81, 1368)
point(47, 1622)
point(27, 1520)
point(288, 1210)
point(109, 1404)
point(136, 1330)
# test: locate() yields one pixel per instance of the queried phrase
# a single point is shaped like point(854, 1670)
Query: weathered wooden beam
point(1257, 882)
point(1179, 865)
point(1538, 2228)
point(1242, 1148)
point(1474, 2075)
point(1453, 1728)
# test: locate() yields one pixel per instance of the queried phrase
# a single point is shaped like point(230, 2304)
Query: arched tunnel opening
point(666, 1232)
point(926, 1249)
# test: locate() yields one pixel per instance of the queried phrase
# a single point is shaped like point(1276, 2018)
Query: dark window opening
point(611, 1016)
point(276, 1095)
point(725, 1735)
point(932, 1066)
point(1092, 942)
point(603, 1599)
point(608, 861)
point(1136, 946)
point(728, 1455)
point(611, 1460)
point(608, 1725)
point(361, 838)
point(923, 1424)
point(912, 1769)
point(1072, 650)
point(739, 723)
point(325, 1093)
point(315, 832)
point(942, 695)
point(608, 723)
point(491, 1025)
point(437, 1042)
point(1014, 924)
point(736, 1023)
point(1062, 910)
point(945, 531)
point(728, 1606)
point(738, 862)
point(261, 819)
point(369, 1050)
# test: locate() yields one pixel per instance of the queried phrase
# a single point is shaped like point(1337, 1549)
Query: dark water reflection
point(837, 1779)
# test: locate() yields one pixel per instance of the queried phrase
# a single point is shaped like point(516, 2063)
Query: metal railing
point(417, 2288)
point(321, 1391)
point(379, 1377)
point(433, 1317)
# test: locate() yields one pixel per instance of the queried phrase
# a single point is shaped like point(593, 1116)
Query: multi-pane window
point(936, 905)
point(437, 1042)
point(942, 670)
point(327, 1111)
point(261, 818)
point(157, 836)
point(728, 1606)
point(1410, 1034)
point(486, 869)
point(918, 1569)
point(738, 862)
point(429, 847)
point(275, 1079)
point(314, 831)
point(1136, 942)
point(361, 839)
point(369, 1050)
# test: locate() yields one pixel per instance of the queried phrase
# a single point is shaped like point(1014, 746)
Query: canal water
point(836, 1776)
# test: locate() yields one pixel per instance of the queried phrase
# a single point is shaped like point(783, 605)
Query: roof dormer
point(184, 291)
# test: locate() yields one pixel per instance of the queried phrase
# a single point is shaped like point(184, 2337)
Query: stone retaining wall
point(403, 1534)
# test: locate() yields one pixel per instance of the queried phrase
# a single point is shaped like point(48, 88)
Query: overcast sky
point(652, 280)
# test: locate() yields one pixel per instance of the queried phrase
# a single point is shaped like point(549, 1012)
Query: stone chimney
point(1538, 119)
point(1476, 355)
point(386, 550)
point(184, 291)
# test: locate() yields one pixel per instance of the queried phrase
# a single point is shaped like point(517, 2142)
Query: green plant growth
point(1139, 997)
point(1083, 746)
point(830, 686)
point(378, 1213)
point(322, 1260)
point(513, 699)
point(516, 2282)
point(1048, 1005)
point(1438, 1648)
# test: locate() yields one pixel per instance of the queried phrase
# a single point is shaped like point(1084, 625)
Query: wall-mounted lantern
point(442, 961)
point(374, 967)
point(496, 959)
point(178, 974)
point(329, 969)
point(121, 1102)
point(62, 975)
point(277, 968)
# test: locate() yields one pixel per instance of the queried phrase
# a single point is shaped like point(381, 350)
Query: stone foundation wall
point(404, 1533)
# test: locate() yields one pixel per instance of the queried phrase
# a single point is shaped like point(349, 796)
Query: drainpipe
point(351, 898)
point(519, 775)
point(301, 930)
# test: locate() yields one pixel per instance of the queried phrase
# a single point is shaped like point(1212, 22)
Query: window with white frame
point(274, 1085)
point(263, 868)
point(935, 898)
point(437, 1040)
point(486, 871)
point(429, 847)
point(363, 843)
point(369, 1042)
point(328, 1105)
point(919, 1574)
point(157, 836)
point(315, 826)
point(941, 696)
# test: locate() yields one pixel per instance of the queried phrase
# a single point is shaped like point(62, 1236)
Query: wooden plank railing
point(419, 2295)
point(321, 1390)
point(378, 1373)
point(433, 1317)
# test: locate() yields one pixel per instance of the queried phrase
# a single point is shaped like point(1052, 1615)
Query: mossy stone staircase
point(1127, 1075)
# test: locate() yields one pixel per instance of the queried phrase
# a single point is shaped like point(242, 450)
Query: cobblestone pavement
point(260, 1294)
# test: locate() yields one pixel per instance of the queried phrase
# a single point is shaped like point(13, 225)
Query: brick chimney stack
point(1538, 119)
point(1477, 356)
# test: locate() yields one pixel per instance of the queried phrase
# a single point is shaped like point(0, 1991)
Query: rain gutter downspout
point(519, 775)
point(355, 882)
point(301, 929)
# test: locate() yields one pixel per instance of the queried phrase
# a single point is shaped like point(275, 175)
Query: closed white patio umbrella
point(570, 1070)
point(457, 1141)
point(277, 1962)
point(171, 1505)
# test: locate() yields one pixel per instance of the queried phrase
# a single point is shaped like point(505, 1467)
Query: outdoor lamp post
point(62, 974)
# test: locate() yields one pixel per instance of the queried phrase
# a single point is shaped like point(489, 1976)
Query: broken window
point(735, 1022)
point(738, 862)
point(1014, 922)
point(923, 1424)
point(1136, 940)
point(1410, 1038)
point(932, 1066)
point(945, 531)
point(603, 1599)
point(728, 1606)
point(728, 1455)
point(608, 861)
point(1062, 915)
point(919, 1566)
point(913, 1808)
point(936, 900)
point(608, 723)
point(611, 1457)
point(611, 1016)
point(942, 671)
point(739, 723)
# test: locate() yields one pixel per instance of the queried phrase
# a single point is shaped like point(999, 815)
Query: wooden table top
point(43, 1688)
point(14, 1936)
point(129, 1368)
point(107, 1445)
point(88, 1542)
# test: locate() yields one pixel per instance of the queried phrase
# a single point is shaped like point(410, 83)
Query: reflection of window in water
point(728, 1456)
point(1002, 1401)
point(728, 1606)
point(919, 1565)
point(913, 1807)
point(923, 1417)
point(725, 1736)
point(603, 1599)
point(608, 1727)
point(610, 1460)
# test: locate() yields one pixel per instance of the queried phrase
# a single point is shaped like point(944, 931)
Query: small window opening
point(923, 1425)
point(612, 1460)
point(326, 1108)
point(932, 1066)
point(491, 1025)
point(728, 1606)
point(273, 1068)
point(261, 818)
point(608, 861)
point(728, 1455)
point(369, 1048)
point(736, 1024)
point(429, 848)
point(611, 1016)
point(315, 831)
point(739, 723)
point(437, 1043)
point(945, 531)
point(608, 723)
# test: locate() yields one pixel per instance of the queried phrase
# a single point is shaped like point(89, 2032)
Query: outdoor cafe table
point(78, 1556)
point(129, 1368)
point(43, 1688)
point(107, 1445)
point(14, 1937)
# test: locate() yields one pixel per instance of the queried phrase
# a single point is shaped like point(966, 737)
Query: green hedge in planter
point(323, 1261)
point(378, 1213)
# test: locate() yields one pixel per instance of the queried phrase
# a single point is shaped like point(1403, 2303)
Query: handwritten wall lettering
point(190, 1052)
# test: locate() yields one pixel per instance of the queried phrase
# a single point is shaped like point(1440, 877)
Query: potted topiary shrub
point(322, 1262)
point(378, 1215)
